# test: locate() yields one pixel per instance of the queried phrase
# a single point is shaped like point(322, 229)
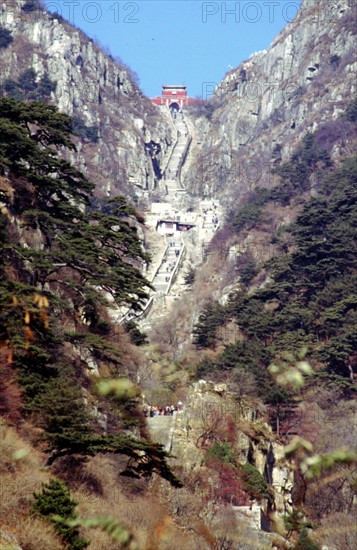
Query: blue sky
point(190, 42)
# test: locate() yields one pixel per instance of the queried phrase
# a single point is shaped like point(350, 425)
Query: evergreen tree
point(27, 80)
point(205, 331)
point(55, 499)
point(63, 413)
point(305, 542)
point(85, 253)
point(5, 37)
point(85, 249)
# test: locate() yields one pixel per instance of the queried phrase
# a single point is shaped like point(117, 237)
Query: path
point(161, 428)
point(164, 275)
point(205, 218)
point(172, 174)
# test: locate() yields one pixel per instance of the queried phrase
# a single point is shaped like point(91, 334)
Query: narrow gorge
point(177, 295)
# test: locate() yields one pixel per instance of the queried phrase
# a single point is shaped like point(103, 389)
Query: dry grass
point(36, 534)
point(21, 476)
point(337, 531)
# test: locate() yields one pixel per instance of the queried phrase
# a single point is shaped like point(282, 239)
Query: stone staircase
point(206, 222)
point(173, 169)
point(163, 277)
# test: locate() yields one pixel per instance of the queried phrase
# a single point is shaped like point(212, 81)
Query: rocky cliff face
point(261, 109)
point(208, 405)
point(133, 134)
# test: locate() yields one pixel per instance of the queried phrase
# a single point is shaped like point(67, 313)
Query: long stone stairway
point(163, 277)
point(165, 274)
point(173, 169)
point(161, 429)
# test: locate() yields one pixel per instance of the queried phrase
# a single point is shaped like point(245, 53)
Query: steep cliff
point(93, 87)
point(261, 109)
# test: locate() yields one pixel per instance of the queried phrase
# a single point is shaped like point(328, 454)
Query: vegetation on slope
point(310, 300)
point(62, 262)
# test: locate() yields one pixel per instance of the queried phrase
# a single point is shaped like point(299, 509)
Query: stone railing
point(172, 148)
point(185, 151)
point(129, 314)
point(183, 158)
point(176, 268)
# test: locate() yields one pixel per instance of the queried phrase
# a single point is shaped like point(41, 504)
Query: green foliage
point(32, 5)
point(310, 301)
point(294, 520)
point(122, 389)
point(55, 499)
point(27, 80)
point(249, 215)
point(305, 542)
point(45, 87)
point(63, 413)
point(205, 368)
point(289, 369)
point(296, 173)
point(254, 483)
point(98, 346)
point(5, 37)
point(205, 331)
point(314, 466)
point(87, 133)
point(221, 452)
point(137, 337)
point(248, 271)
point(351, 111)
point(335, 60)
point(114, 528)
point(189, 277)
point(87, 249)
point(29, 87)
point(85, 252)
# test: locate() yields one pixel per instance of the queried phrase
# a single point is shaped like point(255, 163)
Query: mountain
point(129, 135)
point(262, 109)
point(259, 344)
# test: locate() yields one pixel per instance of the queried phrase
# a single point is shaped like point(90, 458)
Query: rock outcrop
point(92, 86)
point(208, 406)
point(263, 108)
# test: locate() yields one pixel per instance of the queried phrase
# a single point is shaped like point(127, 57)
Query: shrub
point(5, 37)
point(137, 337)
point(87, 133)
point(351, 111)
point(202, 108)
point(32, 5)
point(254, 483)
point(230, 488)
point(249, 214)
point(334, 60)
point(247, 267)
point(221, 452)
point(12, 89)
point(27, 80)
point(205, 368)
point(189, 277)
point(27, 88)
point(305, 543)
point(212, 317)
point(45, 87)
point(55, 499)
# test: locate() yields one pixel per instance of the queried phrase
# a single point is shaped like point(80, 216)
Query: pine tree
point(55, 499)
point(5, 37)
point(205, 331)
